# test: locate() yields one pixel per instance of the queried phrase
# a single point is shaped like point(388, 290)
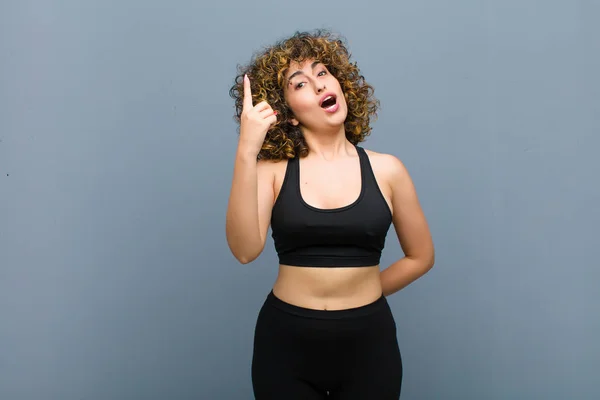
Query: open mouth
point(329, 101)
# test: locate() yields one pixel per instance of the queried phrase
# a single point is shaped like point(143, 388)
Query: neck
point(328, 145)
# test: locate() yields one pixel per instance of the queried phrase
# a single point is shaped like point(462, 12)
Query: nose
point(320, 87)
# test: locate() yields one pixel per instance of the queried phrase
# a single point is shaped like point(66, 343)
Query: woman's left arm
point(412, 231)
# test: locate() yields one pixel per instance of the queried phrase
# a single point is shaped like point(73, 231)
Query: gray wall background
point(116, 154)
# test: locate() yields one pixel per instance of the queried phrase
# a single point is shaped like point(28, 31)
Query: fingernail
point(274, 112)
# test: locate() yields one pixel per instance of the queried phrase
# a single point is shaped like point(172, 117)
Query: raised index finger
point(247, 93)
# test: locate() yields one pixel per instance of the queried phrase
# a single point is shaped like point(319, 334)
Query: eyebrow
point(312, 66)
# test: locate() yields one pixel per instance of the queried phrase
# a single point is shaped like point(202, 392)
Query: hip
point(372, 322)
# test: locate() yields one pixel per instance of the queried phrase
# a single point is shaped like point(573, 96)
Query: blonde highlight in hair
point(267, 71)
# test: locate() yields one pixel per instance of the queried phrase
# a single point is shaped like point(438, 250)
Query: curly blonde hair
point(267, 71)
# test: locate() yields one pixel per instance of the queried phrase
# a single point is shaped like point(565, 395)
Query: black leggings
point(307, 354)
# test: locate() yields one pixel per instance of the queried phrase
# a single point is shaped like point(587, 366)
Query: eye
point(300, 85)
point(322, 73)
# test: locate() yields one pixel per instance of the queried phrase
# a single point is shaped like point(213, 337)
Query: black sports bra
point(349, 236)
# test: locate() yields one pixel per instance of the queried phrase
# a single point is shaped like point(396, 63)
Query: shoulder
point(271, 172)
point(270, 166)
point(387, 165)
point(402, 189)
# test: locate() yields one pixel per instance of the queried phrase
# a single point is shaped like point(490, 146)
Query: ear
point(294, 121)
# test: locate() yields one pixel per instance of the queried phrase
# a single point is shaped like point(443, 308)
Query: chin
point(340, 116)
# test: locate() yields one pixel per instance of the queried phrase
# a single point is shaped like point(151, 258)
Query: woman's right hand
point(255, 122)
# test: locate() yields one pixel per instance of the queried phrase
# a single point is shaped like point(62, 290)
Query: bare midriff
point(328, 288)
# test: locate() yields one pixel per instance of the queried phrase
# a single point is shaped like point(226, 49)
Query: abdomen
point(328, 288)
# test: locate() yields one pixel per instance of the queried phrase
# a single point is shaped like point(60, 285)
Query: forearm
point(402, 273)
point(242, 222)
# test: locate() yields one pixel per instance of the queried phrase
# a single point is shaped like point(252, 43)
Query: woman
point(326, 328)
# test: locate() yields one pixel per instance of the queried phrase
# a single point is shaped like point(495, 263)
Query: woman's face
point(314, 96)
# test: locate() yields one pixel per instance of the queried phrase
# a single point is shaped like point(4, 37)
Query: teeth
point(326, 98)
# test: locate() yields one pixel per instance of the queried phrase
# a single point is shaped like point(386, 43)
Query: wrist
point(248, 148)
point(246, 155)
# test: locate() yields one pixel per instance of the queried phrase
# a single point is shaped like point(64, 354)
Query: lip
point(326, 95)
point(333, 108)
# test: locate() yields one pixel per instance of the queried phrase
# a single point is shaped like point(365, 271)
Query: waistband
point(367, 309)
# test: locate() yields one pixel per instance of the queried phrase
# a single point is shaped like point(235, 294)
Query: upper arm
point(265, 178)
point(408, 217)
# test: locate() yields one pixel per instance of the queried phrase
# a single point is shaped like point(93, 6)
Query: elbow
point(245, 251)
point(430, 261)
point(425, 262)
point(244, 256)
point(244, 259)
